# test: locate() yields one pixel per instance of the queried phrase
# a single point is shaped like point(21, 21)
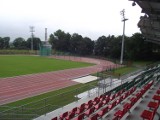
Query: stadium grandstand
point(132, 97)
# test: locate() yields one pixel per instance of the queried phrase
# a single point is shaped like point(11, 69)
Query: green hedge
point(11, 52)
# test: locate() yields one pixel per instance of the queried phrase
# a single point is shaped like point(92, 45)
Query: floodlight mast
point(122, 47)
point(46, 35)
point(32, 35)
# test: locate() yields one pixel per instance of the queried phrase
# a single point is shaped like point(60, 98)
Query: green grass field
point(22, 65)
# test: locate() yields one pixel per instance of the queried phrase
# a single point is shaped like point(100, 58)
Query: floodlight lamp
point(134, 3)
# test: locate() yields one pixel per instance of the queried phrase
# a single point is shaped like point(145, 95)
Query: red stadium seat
point(115, 118)
point(105, 101)
point(74, 110)
point(98, 105)
point(146, 114)
point(94, 117)
point(112, 105)
point(112, 97)
point(89, 111)
point(96, 101)
point(127, 106)
point(119, 100)
point(63, 115)
point(55, 118)
point(80, 110)
point(89, 106)
point(120, 113)
point(89, 102)
point(103, 112)
point(82, 105)
point(70, 116)
point(80, 117)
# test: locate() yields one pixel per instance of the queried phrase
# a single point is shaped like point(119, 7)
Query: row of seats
point(111, 105)
point(153, 106)
point(127, 106)
point(86, 109)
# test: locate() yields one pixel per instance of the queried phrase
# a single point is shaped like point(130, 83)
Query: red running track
point(20, 87)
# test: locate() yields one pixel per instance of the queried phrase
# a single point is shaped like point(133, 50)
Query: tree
point(20, 43)
point(87, 46)
point(36, 43)
point(140, 49)
point(52, 41)
point(4, 42)
point(1, 43)
point(75, 41)
point(100, 46)
point(60, 40)
point(115, 47)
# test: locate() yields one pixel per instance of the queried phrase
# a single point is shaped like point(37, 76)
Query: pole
point(32, 41)
point(122, 47)
point(32, 35)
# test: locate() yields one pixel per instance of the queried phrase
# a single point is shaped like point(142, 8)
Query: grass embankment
point(22, 65)
point(125, 70)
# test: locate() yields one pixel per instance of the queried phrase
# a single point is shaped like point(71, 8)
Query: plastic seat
point(82, 105)
point(70, 116)
point(80, 110)
point(94, 117)
point(89, 102)
point(127, 106)
point(98, 105)
point(112, 97)
point(146, 114)
point(63, 115)
point(55, 118)
point(112, 105)
point(89, 111)
point(89, 106)
point(119, 100)
point(115, 118)
point(80, 117)
point(96, 101)
point(73, 110)
point(103, 112)
point(120, 113)
point(105, 101)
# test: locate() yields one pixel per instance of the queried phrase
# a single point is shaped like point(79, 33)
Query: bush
point(12, 52)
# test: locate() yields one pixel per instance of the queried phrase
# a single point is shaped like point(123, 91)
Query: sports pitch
point(21, 65)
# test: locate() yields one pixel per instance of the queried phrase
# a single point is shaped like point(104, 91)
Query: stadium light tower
point(122, 47)
point(32, 35)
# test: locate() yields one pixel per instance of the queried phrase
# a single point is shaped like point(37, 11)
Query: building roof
point(149, 24)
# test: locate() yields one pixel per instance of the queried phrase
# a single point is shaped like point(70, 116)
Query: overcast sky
point(91, 18)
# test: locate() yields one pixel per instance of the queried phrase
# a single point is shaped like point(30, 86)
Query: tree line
point(135, 46)
point(19, 43)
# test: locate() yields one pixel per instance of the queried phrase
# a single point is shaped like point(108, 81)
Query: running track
point(20, 87)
